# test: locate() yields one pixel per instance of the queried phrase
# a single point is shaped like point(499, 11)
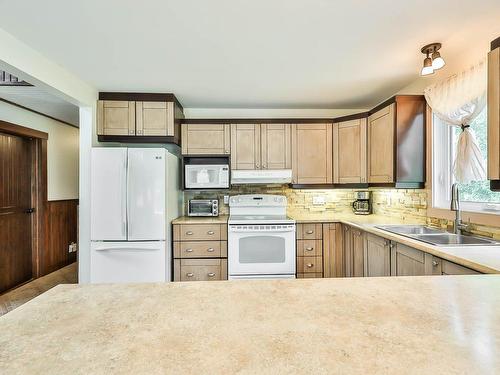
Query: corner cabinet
point(381, 145)
point(494, 116)
point(135, 117)
point(396, 142)
point(349, 151)
point(333, 254)
point(312, 155)
point(261, 146)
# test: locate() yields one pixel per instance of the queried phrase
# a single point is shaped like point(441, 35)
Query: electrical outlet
point(319, 200)
point(72, 247)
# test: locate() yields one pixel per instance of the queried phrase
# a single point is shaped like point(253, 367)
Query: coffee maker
point(362, 204)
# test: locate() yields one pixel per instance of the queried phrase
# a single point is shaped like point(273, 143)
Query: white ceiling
point(252, 54)
point(39, 100)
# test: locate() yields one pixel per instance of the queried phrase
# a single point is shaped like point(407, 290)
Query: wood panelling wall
point(60, 229)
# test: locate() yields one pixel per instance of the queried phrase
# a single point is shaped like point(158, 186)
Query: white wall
point(62, 149)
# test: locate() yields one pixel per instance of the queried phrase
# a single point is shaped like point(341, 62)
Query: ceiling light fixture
point(433, 60)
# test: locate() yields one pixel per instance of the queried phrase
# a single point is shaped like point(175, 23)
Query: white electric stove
point(261, 238)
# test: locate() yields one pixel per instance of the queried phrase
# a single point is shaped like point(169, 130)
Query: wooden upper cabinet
point(381, 134)
point(312, 154)
point(152, 116)
point(377, 256)
point(494, 116)
point(245, 146)
point(206, 139)
point(276, 146)
point(349, 152)
point(115, 117)
point(155, 118)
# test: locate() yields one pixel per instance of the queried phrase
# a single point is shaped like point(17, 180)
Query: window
point(474, 196)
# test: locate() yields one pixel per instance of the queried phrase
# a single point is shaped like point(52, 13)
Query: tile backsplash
point(402, 203)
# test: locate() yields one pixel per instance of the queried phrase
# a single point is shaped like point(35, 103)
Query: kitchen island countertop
point(410, 325)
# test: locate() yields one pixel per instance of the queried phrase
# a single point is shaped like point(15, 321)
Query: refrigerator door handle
point(124, 198)
point(119, 248)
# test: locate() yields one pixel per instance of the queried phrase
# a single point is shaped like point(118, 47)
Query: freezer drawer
point(128, 262)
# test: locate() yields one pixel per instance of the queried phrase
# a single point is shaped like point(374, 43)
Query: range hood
point(276, 176)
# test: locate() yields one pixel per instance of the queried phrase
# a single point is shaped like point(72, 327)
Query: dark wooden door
point(15, 203)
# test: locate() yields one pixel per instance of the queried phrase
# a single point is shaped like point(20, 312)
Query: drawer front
point(309, 264)
point(200, 249)
point(309, 232)
point(309, 248)
point(315, 275)
point(201, 269)
point(200, 232)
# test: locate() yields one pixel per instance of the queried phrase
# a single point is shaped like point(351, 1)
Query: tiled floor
point(10, 300)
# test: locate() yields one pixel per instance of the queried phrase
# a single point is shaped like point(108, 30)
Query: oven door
point(261, 250)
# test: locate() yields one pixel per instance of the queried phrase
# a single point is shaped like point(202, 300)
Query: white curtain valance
point(457, 101)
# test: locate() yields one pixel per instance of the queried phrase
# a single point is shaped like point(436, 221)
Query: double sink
point(437, 237)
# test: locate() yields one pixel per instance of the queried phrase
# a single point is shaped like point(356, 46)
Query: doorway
point(16, 263)
point(20, 208)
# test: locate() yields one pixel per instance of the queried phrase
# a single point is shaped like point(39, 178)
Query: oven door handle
point(270, 231)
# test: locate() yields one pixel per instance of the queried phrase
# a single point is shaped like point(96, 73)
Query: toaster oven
point(203, 207)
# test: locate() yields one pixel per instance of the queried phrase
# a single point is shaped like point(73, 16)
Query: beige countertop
point(222, 219)
point(399, 325)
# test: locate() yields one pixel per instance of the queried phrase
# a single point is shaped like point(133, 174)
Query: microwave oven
point(203, 207)
point(206, 176)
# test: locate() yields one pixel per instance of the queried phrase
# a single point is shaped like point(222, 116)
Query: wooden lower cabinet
point(309, 250)
point(200, 269)
point(354, 251)
point(407, 261)
point(333, 253)
point(200, 252)
point(445, 267)
point(377, 256)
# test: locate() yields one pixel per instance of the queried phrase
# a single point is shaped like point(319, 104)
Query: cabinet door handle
point(189, 233)
point(210, 232)
point(189, 250)
point(210, 249)
point(309, 248)
point(256, 165)
point(189, 274)
point(211, 274)
point(310, 265)
point(310, 232)
point(434, 263)
point(131, 132)
point(139, 131)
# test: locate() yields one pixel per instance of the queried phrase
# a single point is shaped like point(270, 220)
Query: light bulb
point(427, 68)
point(437, 61)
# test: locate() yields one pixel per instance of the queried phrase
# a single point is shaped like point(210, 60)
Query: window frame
point(442, 172)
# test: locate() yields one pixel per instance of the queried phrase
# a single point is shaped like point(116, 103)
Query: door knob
point(29, 210)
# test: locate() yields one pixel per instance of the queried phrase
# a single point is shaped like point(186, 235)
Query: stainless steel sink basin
point(436, 236)
point(410, 229)
point(450, 239)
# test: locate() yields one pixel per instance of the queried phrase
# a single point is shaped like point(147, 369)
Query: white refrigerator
point(134, 197)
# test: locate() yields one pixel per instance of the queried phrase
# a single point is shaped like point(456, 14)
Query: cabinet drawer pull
point(189, 250)
point(210, 232)
point(310, 232)
point(210, 249)
point(189, 274)
point(211, 274)
point(309, 248)
point(310, 265)
point(189, 233)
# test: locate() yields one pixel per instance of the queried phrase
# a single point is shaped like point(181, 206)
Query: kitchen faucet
point(458, 226)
